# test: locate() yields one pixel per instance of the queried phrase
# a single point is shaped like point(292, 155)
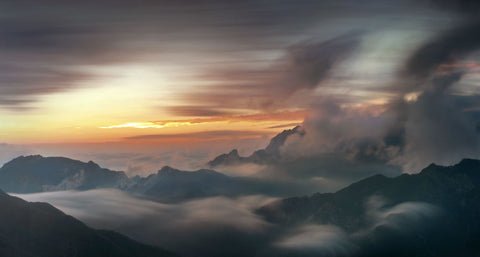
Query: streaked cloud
point(262, 117)
point(206, 135)
point(148, 125)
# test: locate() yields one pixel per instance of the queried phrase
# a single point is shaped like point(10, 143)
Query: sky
point(135, 85)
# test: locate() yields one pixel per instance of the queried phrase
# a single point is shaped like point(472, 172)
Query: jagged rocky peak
point(271, 153)
point(233, 153)
point(279, 140)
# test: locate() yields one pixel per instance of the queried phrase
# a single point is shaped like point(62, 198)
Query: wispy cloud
point(194, 228)
point(206, 135)
point(261, 117)
point(142, 125)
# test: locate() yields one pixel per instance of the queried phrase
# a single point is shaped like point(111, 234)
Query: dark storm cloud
point(19, 85)
point(303, 67)
point(65, 35)
point(465, 6)
point(448, 47)
point(41, 56)
point(48, 40)
point(309, 62)
point(436, 126)
point(433, 127)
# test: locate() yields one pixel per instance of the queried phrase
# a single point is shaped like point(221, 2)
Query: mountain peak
point(167, 170)
point(93, 164)
point(469, 163)
point(470, 166)
point(278, 141)
point(230, 158)
point(271, 153)
point(234, 153)
point(35, 173)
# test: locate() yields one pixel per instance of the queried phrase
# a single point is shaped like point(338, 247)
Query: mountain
point(29, 174)
point(270, 154)
point(171, 185)
point(39, 229)
point(455, 190)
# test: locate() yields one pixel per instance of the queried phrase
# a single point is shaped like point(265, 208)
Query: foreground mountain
point(29, 174)
point(383, 209)
point(38, 229)
point(270, 154)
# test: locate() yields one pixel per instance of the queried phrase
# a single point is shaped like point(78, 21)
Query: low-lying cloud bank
point(222, 226)
point(388, 224)
point(215, 226)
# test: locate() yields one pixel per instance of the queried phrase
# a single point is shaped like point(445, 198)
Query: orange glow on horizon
point(161, 131)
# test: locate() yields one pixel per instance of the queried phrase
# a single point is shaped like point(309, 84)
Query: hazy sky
point(149, 74)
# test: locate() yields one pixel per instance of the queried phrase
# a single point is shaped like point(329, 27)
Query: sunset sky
point(164, 74)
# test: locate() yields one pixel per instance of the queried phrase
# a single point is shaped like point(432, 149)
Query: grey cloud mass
point(208, 227)
point(227, 226)
point(46, 43)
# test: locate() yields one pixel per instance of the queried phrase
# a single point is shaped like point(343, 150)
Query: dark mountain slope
point(39, 229)
point(435, 184)
point(455, 190)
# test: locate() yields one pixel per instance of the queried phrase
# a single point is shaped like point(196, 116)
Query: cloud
point(42, 56)
point(288, 125)
point(196, 111)
point(445, 48)
point(261, 117)
point(47, 49)
point(222, 226)
point(320, 239)
point(302, 68)
point(436, 126)
point(391, 228)
point(202, 227)
point(397, 216)
point(424, 121)
point(205, 135)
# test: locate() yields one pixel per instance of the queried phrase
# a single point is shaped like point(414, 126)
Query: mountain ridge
point(38, 229)
point(435, 212)
point(271, 153)
point(35, 173)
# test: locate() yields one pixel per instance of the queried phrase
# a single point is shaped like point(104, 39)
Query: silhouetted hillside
point(39, 230)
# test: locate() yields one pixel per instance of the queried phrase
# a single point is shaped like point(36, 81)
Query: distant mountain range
point(39, 229)
point(33, 174)
point(455, 190)
point(172, 185)
point(382, 216)
point(29, 174)
point(268, 155)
